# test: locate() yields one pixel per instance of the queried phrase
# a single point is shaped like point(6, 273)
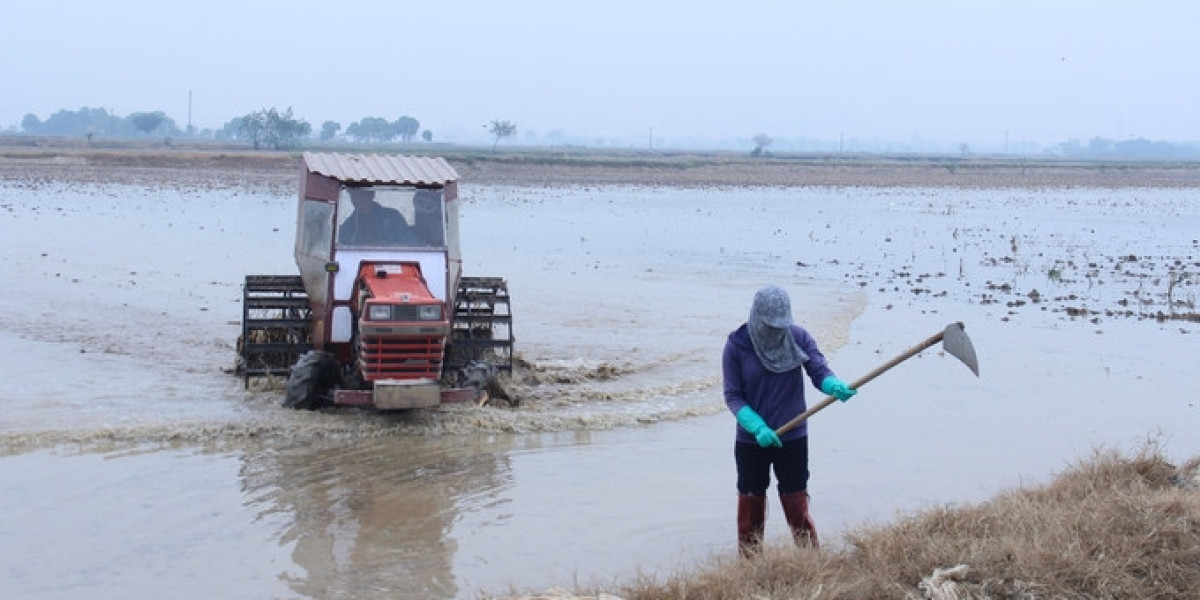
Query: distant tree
point(31, 123)
point(501, 129)
point(329, 130)
point(252, 128)
point(267, 127)
point(427, 135)
point(283, 130)
point(406, 128)
point(65, 122)
point(1070, 147)
point(371, 130)
point(146, 122)
point(1141, 148)
point(101, 120)
point(1099, 145)
point(230, 131)
point(761, 142)
point(1144, 148)
point(79, 122)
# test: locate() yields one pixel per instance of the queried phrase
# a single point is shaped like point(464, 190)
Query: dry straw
point(1113, 526)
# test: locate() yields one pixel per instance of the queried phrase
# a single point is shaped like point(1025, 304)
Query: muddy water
point(134, 466)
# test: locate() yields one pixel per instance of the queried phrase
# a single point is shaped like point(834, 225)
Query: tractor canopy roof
point(379, 169)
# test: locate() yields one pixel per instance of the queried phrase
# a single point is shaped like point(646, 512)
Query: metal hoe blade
point(958, 345)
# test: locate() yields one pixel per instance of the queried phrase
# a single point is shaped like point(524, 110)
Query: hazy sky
point(971, 71)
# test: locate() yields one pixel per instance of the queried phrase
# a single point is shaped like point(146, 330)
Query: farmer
point(764, 365)
point(371, 223)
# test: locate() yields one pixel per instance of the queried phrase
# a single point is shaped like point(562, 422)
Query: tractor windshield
point(390, 217)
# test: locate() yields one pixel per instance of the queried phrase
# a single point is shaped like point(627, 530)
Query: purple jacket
point(777, 397)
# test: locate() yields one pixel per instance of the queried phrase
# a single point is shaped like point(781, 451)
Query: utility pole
point(189, 129)
point(652, 138)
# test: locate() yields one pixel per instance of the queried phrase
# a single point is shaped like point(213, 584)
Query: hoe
point(954, 341)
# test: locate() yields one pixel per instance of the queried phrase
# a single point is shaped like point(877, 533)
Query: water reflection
point(370, 518)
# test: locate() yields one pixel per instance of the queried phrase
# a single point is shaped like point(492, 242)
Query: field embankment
point(76, 160)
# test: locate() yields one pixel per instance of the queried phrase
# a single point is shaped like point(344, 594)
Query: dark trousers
point(754, 464)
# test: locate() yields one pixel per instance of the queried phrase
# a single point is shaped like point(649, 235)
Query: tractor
point(380, 315)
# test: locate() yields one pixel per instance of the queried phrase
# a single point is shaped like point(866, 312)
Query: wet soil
point(139, 466)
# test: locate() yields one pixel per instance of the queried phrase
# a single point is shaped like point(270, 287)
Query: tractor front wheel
point(312, 380)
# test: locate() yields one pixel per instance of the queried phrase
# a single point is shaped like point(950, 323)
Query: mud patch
point(1060, 264)
point(529, 374)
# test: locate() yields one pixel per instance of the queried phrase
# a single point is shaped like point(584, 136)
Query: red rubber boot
point(751, 521)
point(795, 510)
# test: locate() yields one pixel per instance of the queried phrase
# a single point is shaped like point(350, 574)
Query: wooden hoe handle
point(861, 381)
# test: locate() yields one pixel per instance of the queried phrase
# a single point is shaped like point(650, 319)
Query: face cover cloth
point(770, 331)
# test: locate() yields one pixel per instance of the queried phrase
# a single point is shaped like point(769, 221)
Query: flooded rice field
point(136, 464)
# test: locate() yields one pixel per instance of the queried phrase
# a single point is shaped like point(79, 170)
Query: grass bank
point(1112, 526)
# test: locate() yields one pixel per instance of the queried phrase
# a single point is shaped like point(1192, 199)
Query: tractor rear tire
point(312, 380)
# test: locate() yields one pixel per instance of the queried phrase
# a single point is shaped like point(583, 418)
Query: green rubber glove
point(750, 421)
point(837, 388)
